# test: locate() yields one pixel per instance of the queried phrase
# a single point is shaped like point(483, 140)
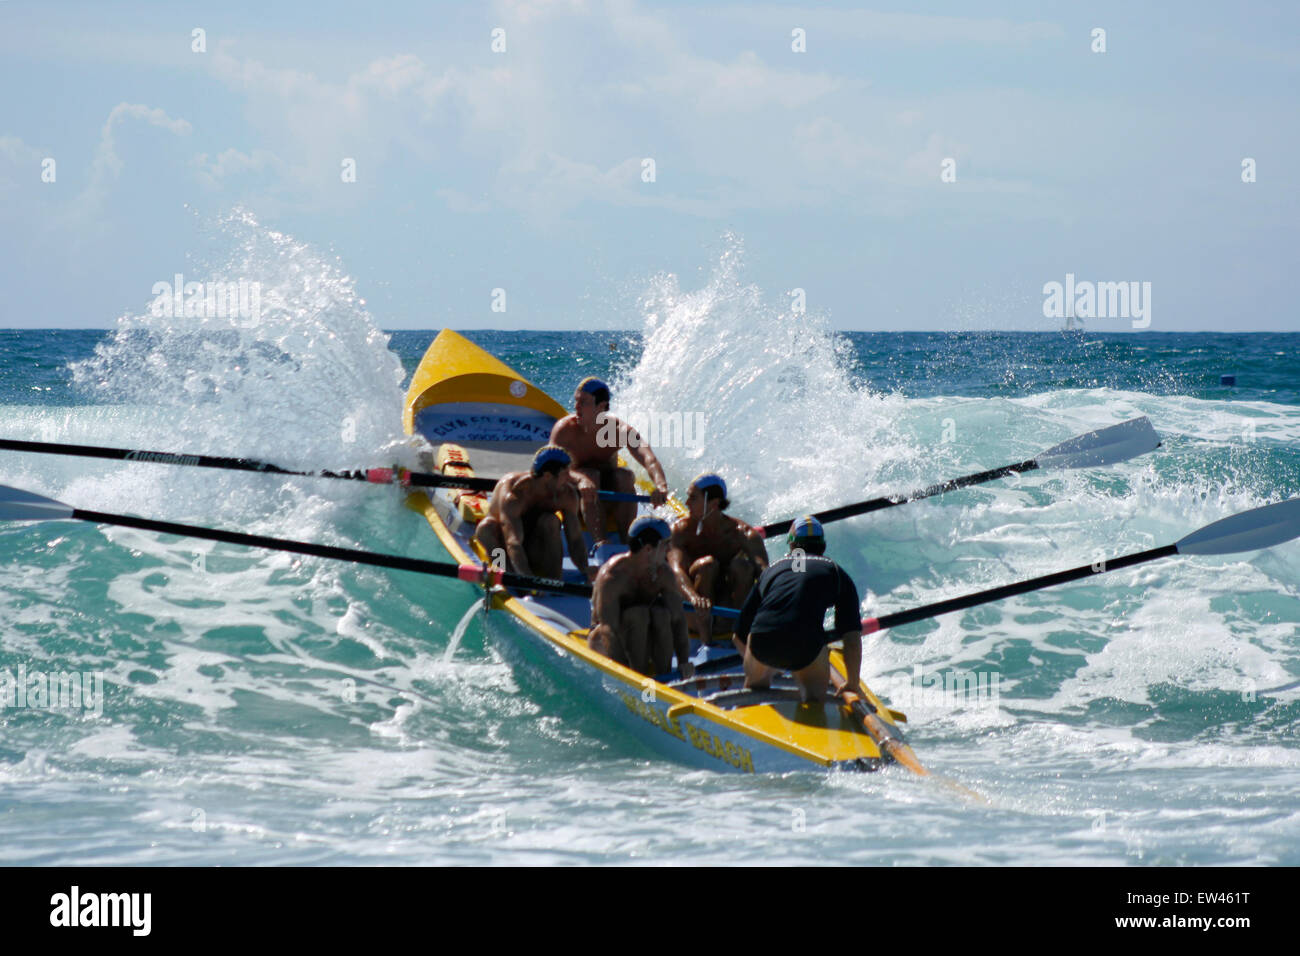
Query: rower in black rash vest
point(781, 621)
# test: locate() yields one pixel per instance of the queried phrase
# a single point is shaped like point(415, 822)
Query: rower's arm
point(573, 531)
point(677, 562)
point(605, 602)
point(640, 449)
point(747, 612)
point(755, 548)
point(513, 526)
point(852, 660)
point(848, 624)
point(681, 639)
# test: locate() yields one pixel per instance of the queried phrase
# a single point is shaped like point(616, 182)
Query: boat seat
point(703, 683)
point(731, 699)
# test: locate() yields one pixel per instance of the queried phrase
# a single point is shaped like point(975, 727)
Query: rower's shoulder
point(744, 530)
point(564, 426)
point(514, 486)
point(612, 572)
point(514, 479)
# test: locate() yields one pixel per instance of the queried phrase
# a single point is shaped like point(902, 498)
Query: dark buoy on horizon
point(1227, 380)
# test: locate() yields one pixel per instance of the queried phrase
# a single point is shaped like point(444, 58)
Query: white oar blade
point(19, 505)
point(1248, 531)
point(1106, 446)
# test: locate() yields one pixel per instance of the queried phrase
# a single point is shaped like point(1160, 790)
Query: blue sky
point(522, 169)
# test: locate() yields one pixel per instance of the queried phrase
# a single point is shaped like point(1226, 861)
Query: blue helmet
point(550, 454)
point(595, 388)
point(710, 480)
point(647, 530)
point(805, 529)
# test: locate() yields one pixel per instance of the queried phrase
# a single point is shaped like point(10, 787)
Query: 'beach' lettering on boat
point(738, 757)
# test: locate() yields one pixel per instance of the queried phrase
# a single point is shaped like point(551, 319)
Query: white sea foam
point(1122, 717)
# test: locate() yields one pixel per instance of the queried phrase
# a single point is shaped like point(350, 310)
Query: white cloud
point(538, 124)
point(19, 163)
point(107, 164)
point(583, 93)
point(744, 85)
point(893, 29)
point(311, 124)
point(230, 164)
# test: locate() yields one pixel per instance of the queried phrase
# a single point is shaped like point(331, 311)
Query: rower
point(636, 610)
point(714, 556)
point(593, 438)
point(522, 521)
point(781, 621)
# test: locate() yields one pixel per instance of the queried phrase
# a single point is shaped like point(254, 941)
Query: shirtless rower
point(636, 610)
point(714, 556)
point(593, 438)
point(521, 519)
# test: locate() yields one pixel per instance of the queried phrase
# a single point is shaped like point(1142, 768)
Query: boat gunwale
point(634, 680)
point(426, 503)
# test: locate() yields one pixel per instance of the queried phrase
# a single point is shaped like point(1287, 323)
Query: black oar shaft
point(273, 544)
point(1011, 590)
point(240, 464)
point(440, 568)
point(466, 572)
point(162, 457)
point(375, 475)
point(876, 504)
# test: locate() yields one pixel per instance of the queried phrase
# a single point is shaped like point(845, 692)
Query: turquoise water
point(263, 708)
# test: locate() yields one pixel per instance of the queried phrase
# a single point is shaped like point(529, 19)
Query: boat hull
point(701, 723)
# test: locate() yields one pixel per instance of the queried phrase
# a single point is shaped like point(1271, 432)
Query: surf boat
point(481, 418)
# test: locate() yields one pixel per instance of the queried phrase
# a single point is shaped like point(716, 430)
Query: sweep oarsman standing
point(781, 621)
point(593, 438)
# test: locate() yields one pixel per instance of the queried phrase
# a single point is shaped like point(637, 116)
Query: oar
point(1106, 446)
point(378, 476)
point(1248, 531)
point(891, 741)
point(19, 505)
point(887, 737)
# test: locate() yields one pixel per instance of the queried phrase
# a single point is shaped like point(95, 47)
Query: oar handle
point(424, 479)
point(621, 496)
point(492, 577)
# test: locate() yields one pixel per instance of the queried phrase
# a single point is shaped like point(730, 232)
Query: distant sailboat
point(1071, 323)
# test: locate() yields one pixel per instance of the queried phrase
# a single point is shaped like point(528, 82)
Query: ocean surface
point(260, 708)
